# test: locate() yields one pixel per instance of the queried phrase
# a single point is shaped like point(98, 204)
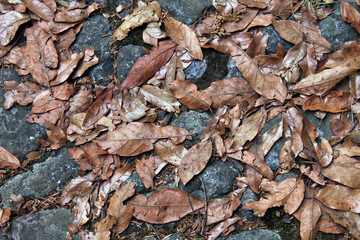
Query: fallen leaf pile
point(113, 125)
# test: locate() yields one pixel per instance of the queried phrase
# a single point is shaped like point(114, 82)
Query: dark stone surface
point(17, 136)
point(195, 70)
point(233, 71)
point(126, 58)
point(139, 185)
point(257, 234)
point(43, 179)
point(274, 39)
point(249, 195)
point(43, 225)
point(96, 33)
point(282, 177)
point(184, 10)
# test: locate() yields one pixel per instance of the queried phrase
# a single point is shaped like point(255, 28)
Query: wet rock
point(96, 33)
point(284, 176)
point(139, 185)
point(126, 58)
point(17, 136)
point(233, 71)
point(336, 30)
point(257, 234)
point(219, 178)
point(43, 179)
point(195, 70)
point(249, 195)
point(274, 39)
point(185, 11)
point(43, 225)
point(193, 122)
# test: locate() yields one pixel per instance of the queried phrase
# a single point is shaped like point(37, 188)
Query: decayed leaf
point(66, 68)
point(188, 95)
point(289, 193)
point(145, 67)
point(310, 215)
point(44, 9)
point(89, 60)
point(340, 197)
point(9, 24)
point(222, 227)
point(350, 15)
point(320, 83)
point(152, 33)
point(164, 205)
point(184, 36)
point(348, 57)
point(4, 216)
point(57, 137)
point(40, 55)
point(23, 93)
point(334, 102)
point(350, 146)
point(344, 170)
point(160, 98)
point(269, 138)
point(170, 152)
point(7, 160)
point(136, 138)
point(77, 187)
point(195, 161)
point(147, 168)
point(314, 173)
point(230, 92)
point(141, 15)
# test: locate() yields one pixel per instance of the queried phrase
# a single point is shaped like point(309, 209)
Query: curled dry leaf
point(44, 9)
point(141, 15)
point(66, 68)
point(7, 160)
point(344, 170)
point(9, 24)
point(56, 136)
point(269, 138)
point(4, 216)
point(350, 15)
point(160, 98)
point(289, 193)
point(152, 33)
point(89, 60)
point(222, 227)
point(184, 36)
point(148, 168)
point(170, 152)
point(334, 102)
point(188, 95)
point(164, 205)
point(136, 138)
point(146, 67)
point(340, 197)
point(195, 161)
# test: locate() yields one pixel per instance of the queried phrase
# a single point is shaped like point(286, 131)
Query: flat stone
point(257, 234)
point(43, 225)
point(96, 33)
point(185, 11)
point(43, 179)
point(126, 58)
point(17, 136)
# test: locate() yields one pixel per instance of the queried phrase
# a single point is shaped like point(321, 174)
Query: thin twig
point(192, 208)
point(155, 232)
point(206, 208)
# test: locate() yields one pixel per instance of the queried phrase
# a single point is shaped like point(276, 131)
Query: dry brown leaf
point(354, 84)
point(133, 104)
point(222, 227)
point(294, 55)
point(258, 45)
point(216, 124)
point(195, 161)
point(228, 6)
point(17, 56)
point(340, 197)
point(160, 98)
point(9, 24)
point(310, 213)
point(188, 95)
point(255, 4)
point(50, 116)
point(152, 33)
point(170, 152)
point(350, 146)
point(320, 83)
point(95, 235)
point(75, 14)
point(56, 136)
point(136, 138)
point(260, 20)
point(347, 57)
point(23, 93)
point(148, 168)
point(63, 91)
point(289, 193)
point(44, 9)
point(40, 55)
point(269, 138)
point(184, 36)
point(4, 216)
point(327, 225)
point(164, 205)
point(284, 8)
point(350, 15)
point(78, 186)
point(146, 67)
point(66, 68)
point(244, 20)
point(293, 125)
point(341, 126)
point(308, 17)
point(314, 173)
point(344, 170)
point(141, 15)
point(89, 60)
point(7, 160)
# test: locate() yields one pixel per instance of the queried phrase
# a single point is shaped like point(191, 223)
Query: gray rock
point(126, 58)
point(233, 71)
point(43, 225)
point(17, 136)
point(257, 234)
point(322, 125)
point(284, 176)
point(43, 179)
point(139, 185)
point(274, 39)
point(193, 122)
point(93, 35)
point(336, 30)
point(195, 70)
point(249, 195)
point(185, 11)
point(219, 178)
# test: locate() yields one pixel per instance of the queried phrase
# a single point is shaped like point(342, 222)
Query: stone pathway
point(55, 169)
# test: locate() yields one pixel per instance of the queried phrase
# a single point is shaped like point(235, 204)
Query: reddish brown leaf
point(246, 18)
point(9, 24)
point(78, 186)
point(164, 205)
point(350, 146)
point(222, 227)
point(314, 173)
point(7, 160)
point(66, 68)
point(184, 36)
point(309, 216)
point(56, 136)
point(195, 161)
point(89, 60)
point(341, 126)
point(63, 91)
point(98, 108)
point(284, 8)
point(347, 57)
point(170, 152)
point(350, 15)
point(148, 168)
point(188, 95)
point(269, 138)
point(44, 9)
point(160, 98)
point(23, 93)
point(258, 45)
point(4, 216)
point(145, 67)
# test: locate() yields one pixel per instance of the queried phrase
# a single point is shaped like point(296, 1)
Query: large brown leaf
point(160, 98)
point(195, 161)
point(145, 67)
point(164, 205)
point(148, 168)
point(348, 56)
point(170, 152)
point(340, 197)
point(184, 36)
point(188, 95)
point(66, 68)
point(269, 138)
point(350, 15)
point(43, 8)
point(40, 55)
point(7, 160)
point(137, 137)
point(9, 24)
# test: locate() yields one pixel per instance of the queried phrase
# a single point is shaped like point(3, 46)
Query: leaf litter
point(118, 128)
